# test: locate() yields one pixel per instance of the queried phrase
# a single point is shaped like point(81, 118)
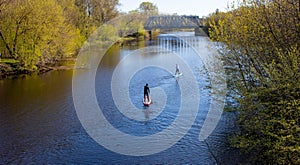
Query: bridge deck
point(173, 22)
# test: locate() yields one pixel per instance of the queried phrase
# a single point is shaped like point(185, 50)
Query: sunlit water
point(38, 121)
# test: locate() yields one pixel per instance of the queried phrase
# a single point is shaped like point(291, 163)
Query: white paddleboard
point(178, 75)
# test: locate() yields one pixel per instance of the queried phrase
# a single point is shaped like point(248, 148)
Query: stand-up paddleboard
point(147, 102)
point(178, 75)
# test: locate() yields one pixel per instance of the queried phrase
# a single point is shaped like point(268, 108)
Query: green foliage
point(148, 8)
point(263, 43)
point(94, 13)
point(109, 33)
point(132, 23)
point(9, 61)
point(37, 32)
point(269, 123)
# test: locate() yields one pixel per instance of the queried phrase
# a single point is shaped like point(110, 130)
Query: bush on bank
point(261, 39)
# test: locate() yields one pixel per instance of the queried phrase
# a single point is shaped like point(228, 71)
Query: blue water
point(39, 125)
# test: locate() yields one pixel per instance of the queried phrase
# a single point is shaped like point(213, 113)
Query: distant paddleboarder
point(177, 70)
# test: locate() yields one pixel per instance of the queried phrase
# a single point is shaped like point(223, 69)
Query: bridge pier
point(150, 35)
point(201, 31)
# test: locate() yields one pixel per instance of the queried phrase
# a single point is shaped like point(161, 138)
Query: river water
point(40, 124)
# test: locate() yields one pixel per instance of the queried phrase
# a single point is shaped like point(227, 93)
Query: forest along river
point(38, 121)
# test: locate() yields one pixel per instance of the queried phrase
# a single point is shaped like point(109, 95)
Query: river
point(40, 124)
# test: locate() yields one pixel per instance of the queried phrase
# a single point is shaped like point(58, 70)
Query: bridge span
point(168, 22)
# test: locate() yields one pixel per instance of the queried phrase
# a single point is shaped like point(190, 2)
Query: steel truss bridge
point(176, 22)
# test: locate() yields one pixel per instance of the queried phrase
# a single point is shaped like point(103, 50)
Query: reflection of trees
point(112, 57)
point(104, 38)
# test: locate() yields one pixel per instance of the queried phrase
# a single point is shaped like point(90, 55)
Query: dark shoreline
point(8, 71)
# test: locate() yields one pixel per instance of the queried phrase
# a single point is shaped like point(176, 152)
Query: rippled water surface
point(38, 121)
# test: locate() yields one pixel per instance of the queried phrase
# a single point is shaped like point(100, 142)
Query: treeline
point(34, 33)
point(261, 42)
point(37, 32)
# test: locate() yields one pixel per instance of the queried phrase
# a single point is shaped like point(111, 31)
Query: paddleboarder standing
point(146, 92)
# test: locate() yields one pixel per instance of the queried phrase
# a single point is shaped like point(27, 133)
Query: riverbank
point(10, 68)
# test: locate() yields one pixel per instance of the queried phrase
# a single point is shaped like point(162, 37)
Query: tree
point(263, 43)
point(131, 23)
point(103, 10)
point(94, 13)
point(148, 9)
point(35, 32)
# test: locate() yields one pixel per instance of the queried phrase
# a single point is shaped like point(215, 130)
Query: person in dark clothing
point(146, 92)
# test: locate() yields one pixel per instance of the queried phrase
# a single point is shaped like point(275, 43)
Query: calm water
point(38, 121)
